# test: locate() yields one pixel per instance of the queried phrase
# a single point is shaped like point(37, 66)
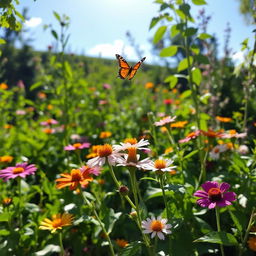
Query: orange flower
point(211, 134)
point(7, 201)
point(50, 107)
point(6, 159)
point(163, 129)
point(180, 124)
point(174, 90)
point(48, 130)
point(58, 221)
point(3, 86)
point(75, 178)
point(104, 135)
point(122, 243)
point(8, 126)
point(252, 243)
point(93, 151)
point(41, 95)
point(168, 150)
point(149, 85)
point(223, 119)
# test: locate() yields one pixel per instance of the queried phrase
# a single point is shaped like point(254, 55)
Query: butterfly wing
point(135, 68)
point(124, 67)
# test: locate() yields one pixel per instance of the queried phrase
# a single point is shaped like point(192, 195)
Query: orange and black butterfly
point(126, 71)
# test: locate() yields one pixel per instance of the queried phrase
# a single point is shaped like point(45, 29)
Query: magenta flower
point(77, 146)
point(91, 170)
point(215, 194)
point(20, 170)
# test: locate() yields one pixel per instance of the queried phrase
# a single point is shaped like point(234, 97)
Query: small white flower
point(243, 150)
point(160, 165)
point(215, 153)
point(165, 120)
point(156, 227)
point(138, 145)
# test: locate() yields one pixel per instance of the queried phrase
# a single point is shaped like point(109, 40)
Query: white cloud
point(33, 22)
point(238, 57)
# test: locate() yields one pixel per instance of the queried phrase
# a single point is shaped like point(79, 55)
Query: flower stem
point(92, 207)
point(218, 228)
point(19, 204)
point(62, 252)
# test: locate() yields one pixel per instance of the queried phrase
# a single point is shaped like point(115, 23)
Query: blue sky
point(99, 27)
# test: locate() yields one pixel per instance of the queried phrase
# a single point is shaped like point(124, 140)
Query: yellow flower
point(3, 86)
point(180, 124)
point(106, 134)
point(8, 126)
point(149, 85)
point(7, 201)
point(168, 150)
point(223, 119)
point(50, 107)
point(252, 243)
point(6, 159)
point(122, 243)
point(58, 221)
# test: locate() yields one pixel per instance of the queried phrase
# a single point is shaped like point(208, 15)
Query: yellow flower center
point(18, 170)
point(132, 155)
point(105, 150)
point(76, 175)
point(157, 225)
point(160, 164)
point(77, 145)
point(57, 223)
point(131, 141)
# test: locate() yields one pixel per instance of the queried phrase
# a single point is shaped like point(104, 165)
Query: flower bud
point(123, 190)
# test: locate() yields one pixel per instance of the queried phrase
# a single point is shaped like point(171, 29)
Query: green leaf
point(4, 217)
point(204, 36)
point(149, 178)
point(175, 30)
point(57, 16)
point(214, 237)
point(2, 41)
point(4, 232)
point(35, 85)
point(159, 34)
point(68, 70)
point(201, 59)
point(191, 154)
point(54, 33)
point(184, 63)
point(190, 31)
point(169, 51)
point(173, 80)
point(195, 49)
point(132, 249)
point(197, 76)
point(236, 221)
point(199, 2)
point(185, 94)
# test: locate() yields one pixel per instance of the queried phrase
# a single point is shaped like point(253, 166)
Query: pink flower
point(91, 170)
point(20, 170)
point(77, 146)
point(214, 195)
point(20, 112)
point(190, 136)
point(49, 122)
point(165, 120)
point(107, 86)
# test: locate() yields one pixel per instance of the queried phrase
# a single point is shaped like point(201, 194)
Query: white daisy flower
point(156, 227)
point(165, 120)
point(160, 165)
point(132, 143)
point(215, 152)
point(105, 153)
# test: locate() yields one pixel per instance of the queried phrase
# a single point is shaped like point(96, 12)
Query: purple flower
point(77, 146)
point(49, 122)
point(215, 194)
point(20, 170)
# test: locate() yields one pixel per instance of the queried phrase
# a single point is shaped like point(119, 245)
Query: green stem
point(62, 252)
point(19, 203)
point(218, 228)
point(92, 207)
point(247, 232)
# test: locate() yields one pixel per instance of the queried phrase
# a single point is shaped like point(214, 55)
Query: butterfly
point(126, 71)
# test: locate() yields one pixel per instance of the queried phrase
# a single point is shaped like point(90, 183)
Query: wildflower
point(8, 126)
point(163, 129)
point(49, 122)
point(212, 134)
point(180, 124)
point(21, 84)
point(6, 159)
point(149, 85)
point(107, 86)
point(215, 152)
point(233, 134)
point(41, 95)
point(3, 86)
point(132, 159)
point(49, 130)
point(49, 106)
point(7, 201)
point(123, 190)
point(103, 102)
point(122, 243)
point(165, 120)
point(168, 150)
point(215, 194)
point(105, 153)
point(20, 170)
point(91, 170)
point(252, 243)
point(58, 221)
point(168, 101)
point(223, 119)
point(243, 150)
point(190, 136)
point(75, 178)
point(160, 166)
point(77, 146)
point(106, 134)
point(156, 227)
point(20, 112)
point(93, 151)
point(132, 142)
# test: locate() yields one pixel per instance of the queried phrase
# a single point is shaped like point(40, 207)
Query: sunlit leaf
point(169, 51)
point(199, 2)
point(184, 63)
point(204, 36)
point(173, 80)
point(197, 76)
point(159, 34)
